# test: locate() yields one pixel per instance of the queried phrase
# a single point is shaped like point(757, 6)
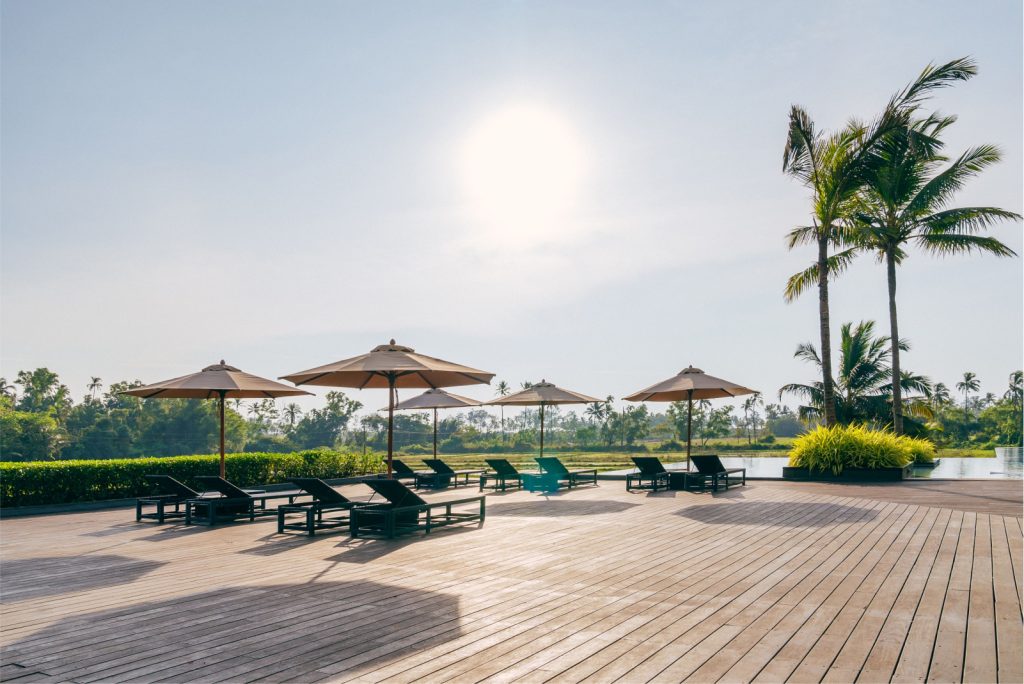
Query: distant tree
point(1015, 392)
point(751, 416)
point(940, 395)
point(42, 392)
point(969, 384)
point(292, 412)
point(503, 390)
point(7, 389)
point(94, 386)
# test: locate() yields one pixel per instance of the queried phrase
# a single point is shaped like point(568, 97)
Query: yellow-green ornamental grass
point(855, 446)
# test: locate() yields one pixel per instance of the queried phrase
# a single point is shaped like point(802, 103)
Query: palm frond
point(932, 78)
point(958, 243)
point(801, 235)
point(934, 194)
point(799, 283)
point(799, 156)
point(966, 220)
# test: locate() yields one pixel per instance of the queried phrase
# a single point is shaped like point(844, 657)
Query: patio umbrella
point(435, 399)
point(392, 366)
point(219, 381)
point(689, 384)
point(543, 394)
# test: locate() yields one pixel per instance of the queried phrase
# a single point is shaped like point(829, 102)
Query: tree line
point(39, 419)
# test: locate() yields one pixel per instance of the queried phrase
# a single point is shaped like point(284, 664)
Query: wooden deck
point(768, 583)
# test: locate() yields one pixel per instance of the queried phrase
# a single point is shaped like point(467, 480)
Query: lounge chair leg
point(310, 524)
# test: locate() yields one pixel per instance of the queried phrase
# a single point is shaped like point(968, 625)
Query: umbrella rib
point(432, 385)
point(310, 380)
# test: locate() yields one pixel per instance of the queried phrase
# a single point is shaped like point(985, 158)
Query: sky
point(589, 193)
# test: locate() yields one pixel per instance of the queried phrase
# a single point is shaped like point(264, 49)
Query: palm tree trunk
point(828, 391)
point(894, 335)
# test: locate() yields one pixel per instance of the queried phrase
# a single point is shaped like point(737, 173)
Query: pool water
point(1006, 464)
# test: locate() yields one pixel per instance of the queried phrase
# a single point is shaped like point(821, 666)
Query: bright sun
point(522, 169)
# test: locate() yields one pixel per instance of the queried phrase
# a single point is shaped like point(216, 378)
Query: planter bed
point(849, 474)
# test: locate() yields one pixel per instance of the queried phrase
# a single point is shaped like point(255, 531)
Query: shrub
point(921, 450)
point(767, 439)
point(54, 482)
point(850, 446)
point(670, 445)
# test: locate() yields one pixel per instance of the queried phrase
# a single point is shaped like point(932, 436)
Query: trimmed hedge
point(54, 482)
point(855, 446)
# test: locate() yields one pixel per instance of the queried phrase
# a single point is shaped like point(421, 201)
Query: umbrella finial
point(392, 341)
point(222, 362)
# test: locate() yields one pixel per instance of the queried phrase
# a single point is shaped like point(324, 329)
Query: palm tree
point(970, 383)
point(502, 391)
point(1014, 393)
point(863, 385)
point(906, 202)
point(834, 167)
point(750, 409)
point(940, 395)
point(292, 413)
point(94, 386)
point(7, 389)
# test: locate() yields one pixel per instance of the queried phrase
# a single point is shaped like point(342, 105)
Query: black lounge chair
point(325, 499)
point(710, 468)
point(400, 471)
point(503, 475)
point(554, 474)
point(171, 492)
point(443, 475)
point(405, 512)
point(234, 503)
point(652, 472)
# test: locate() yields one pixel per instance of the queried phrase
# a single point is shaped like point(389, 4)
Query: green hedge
point(855, 446)
point(54, 482)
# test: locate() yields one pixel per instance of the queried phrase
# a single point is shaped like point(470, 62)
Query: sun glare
point(522, 170)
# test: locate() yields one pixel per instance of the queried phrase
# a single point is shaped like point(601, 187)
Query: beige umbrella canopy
point(435, 399)
point(219, 381)
point(392, 366)
point(543, 394)
point(689, 384)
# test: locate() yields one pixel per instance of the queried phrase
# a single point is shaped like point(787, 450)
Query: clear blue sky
point(584, 192)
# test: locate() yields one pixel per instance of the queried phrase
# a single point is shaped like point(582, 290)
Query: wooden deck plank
point(948, 656)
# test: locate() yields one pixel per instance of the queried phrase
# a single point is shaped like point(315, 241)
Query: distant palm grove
point(882, 188)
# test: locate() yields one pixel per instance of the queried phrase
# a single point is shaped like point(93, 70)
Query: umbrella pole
point(435, 433)
point(391, 418)
point(221, 408)
point(542, 430)
point(689, 427)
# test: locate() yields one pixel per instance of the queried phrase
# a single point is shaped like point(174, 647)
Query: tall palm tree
point(292, 412)
point(502, 391)
point(94, 386)
point(834, 167)
point(863, 383)
point(906, 202)
point(969, 384)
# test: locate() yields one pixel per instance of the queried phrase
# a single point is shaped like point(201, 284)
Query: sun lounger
point(405, 512)
point(443, 475)
point(503, 475)
point(233, 503)
point(554, 475)
point(710, 469)
point(172, 492)
point(400, 471)
point(326, 499)
point(651, 472)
